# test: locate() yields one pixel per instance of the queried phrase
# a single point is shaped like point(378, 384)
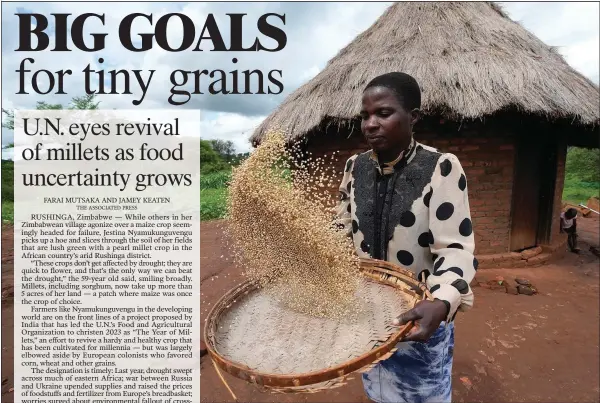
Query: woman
point(407, 203)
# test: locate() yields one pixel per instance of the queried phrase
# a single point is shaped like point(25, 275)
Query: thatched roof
point(470, 59)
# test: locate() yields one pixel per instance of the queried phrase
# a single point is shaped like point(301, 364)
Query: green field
point(576, 192)
point(582, 178)
point(213, 195)
point(8, 212)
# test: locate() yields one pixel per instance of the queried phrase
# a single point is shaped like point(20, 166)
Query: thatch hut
point(493, 94)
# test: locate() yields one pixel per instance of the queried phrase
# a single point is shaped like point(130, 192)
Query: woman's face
point(386, 125)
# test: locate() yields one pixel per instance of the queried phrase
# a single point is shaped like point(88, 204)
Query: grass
point(576, 192)
point(217, 180)
point(213, 195)
point(8, 211)
point(213, 204)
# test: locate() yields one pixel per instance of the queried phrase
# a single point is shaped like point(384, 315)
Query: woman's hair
point(404, 86)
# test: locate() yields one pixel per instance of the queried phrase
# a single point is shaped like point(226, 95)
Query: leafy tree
point(7, 181)
point(583, 164)
point(224, 148)
point(210, 160)
point(85, 102)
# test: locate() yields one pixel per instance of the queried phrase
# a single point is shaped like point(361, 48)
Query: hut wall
point(488, 164)
point(487, 156)
point(556, 236)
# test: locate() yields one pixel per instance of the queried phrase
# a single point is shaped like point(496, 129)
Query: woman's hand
point(427, 316)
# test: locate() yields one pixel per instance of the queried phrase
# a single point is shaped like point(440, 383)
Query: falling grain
point(282, 232)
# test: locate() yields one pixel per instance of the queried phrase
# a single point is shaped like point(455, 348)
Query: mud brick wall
point(488, 161)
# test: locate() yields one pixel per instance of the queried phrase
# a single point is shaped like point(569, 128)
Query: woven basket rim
point(385, 270)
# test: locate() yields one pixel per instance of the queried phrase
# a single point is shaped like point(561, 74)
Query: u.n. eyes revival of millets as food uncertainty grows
point(282, 234)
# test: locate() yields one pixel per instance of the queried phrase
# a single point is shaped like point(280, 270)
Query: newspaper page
point(107, 270)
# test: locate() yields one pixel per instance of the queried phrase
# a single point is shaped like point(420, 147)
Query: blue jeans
point(416, 373)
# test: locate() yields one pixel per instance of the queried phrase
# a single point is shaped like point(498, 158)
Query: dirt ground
point(509, 348)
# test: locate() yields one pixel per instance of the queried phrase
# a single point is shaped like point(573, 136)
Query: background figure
point(568, 224)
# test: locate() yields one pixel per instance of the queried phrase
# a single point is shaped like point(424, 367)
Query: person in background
point(568, 224)
point(407, 203)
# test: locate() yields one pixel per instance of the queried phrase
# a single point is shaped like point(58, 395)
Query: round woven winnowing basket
point(252, 337)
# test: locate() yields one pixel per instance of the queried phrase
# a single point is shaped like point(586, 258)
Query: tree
point(85, 102)
point(583, 164)
point(210, 160)
point(225, 149)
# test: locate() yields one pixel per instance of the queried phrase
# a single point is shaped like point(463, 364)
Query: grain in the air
point(282, 230)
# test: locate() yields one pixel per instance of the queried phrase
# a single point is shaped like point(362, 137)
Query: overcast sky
point(324, 28)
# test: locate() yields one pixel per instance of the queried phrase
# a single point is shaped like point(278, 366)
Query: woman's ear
point(415, 115)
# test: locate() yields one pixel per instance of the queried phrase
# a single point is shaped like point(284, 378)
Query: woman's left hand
point(427, 316)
